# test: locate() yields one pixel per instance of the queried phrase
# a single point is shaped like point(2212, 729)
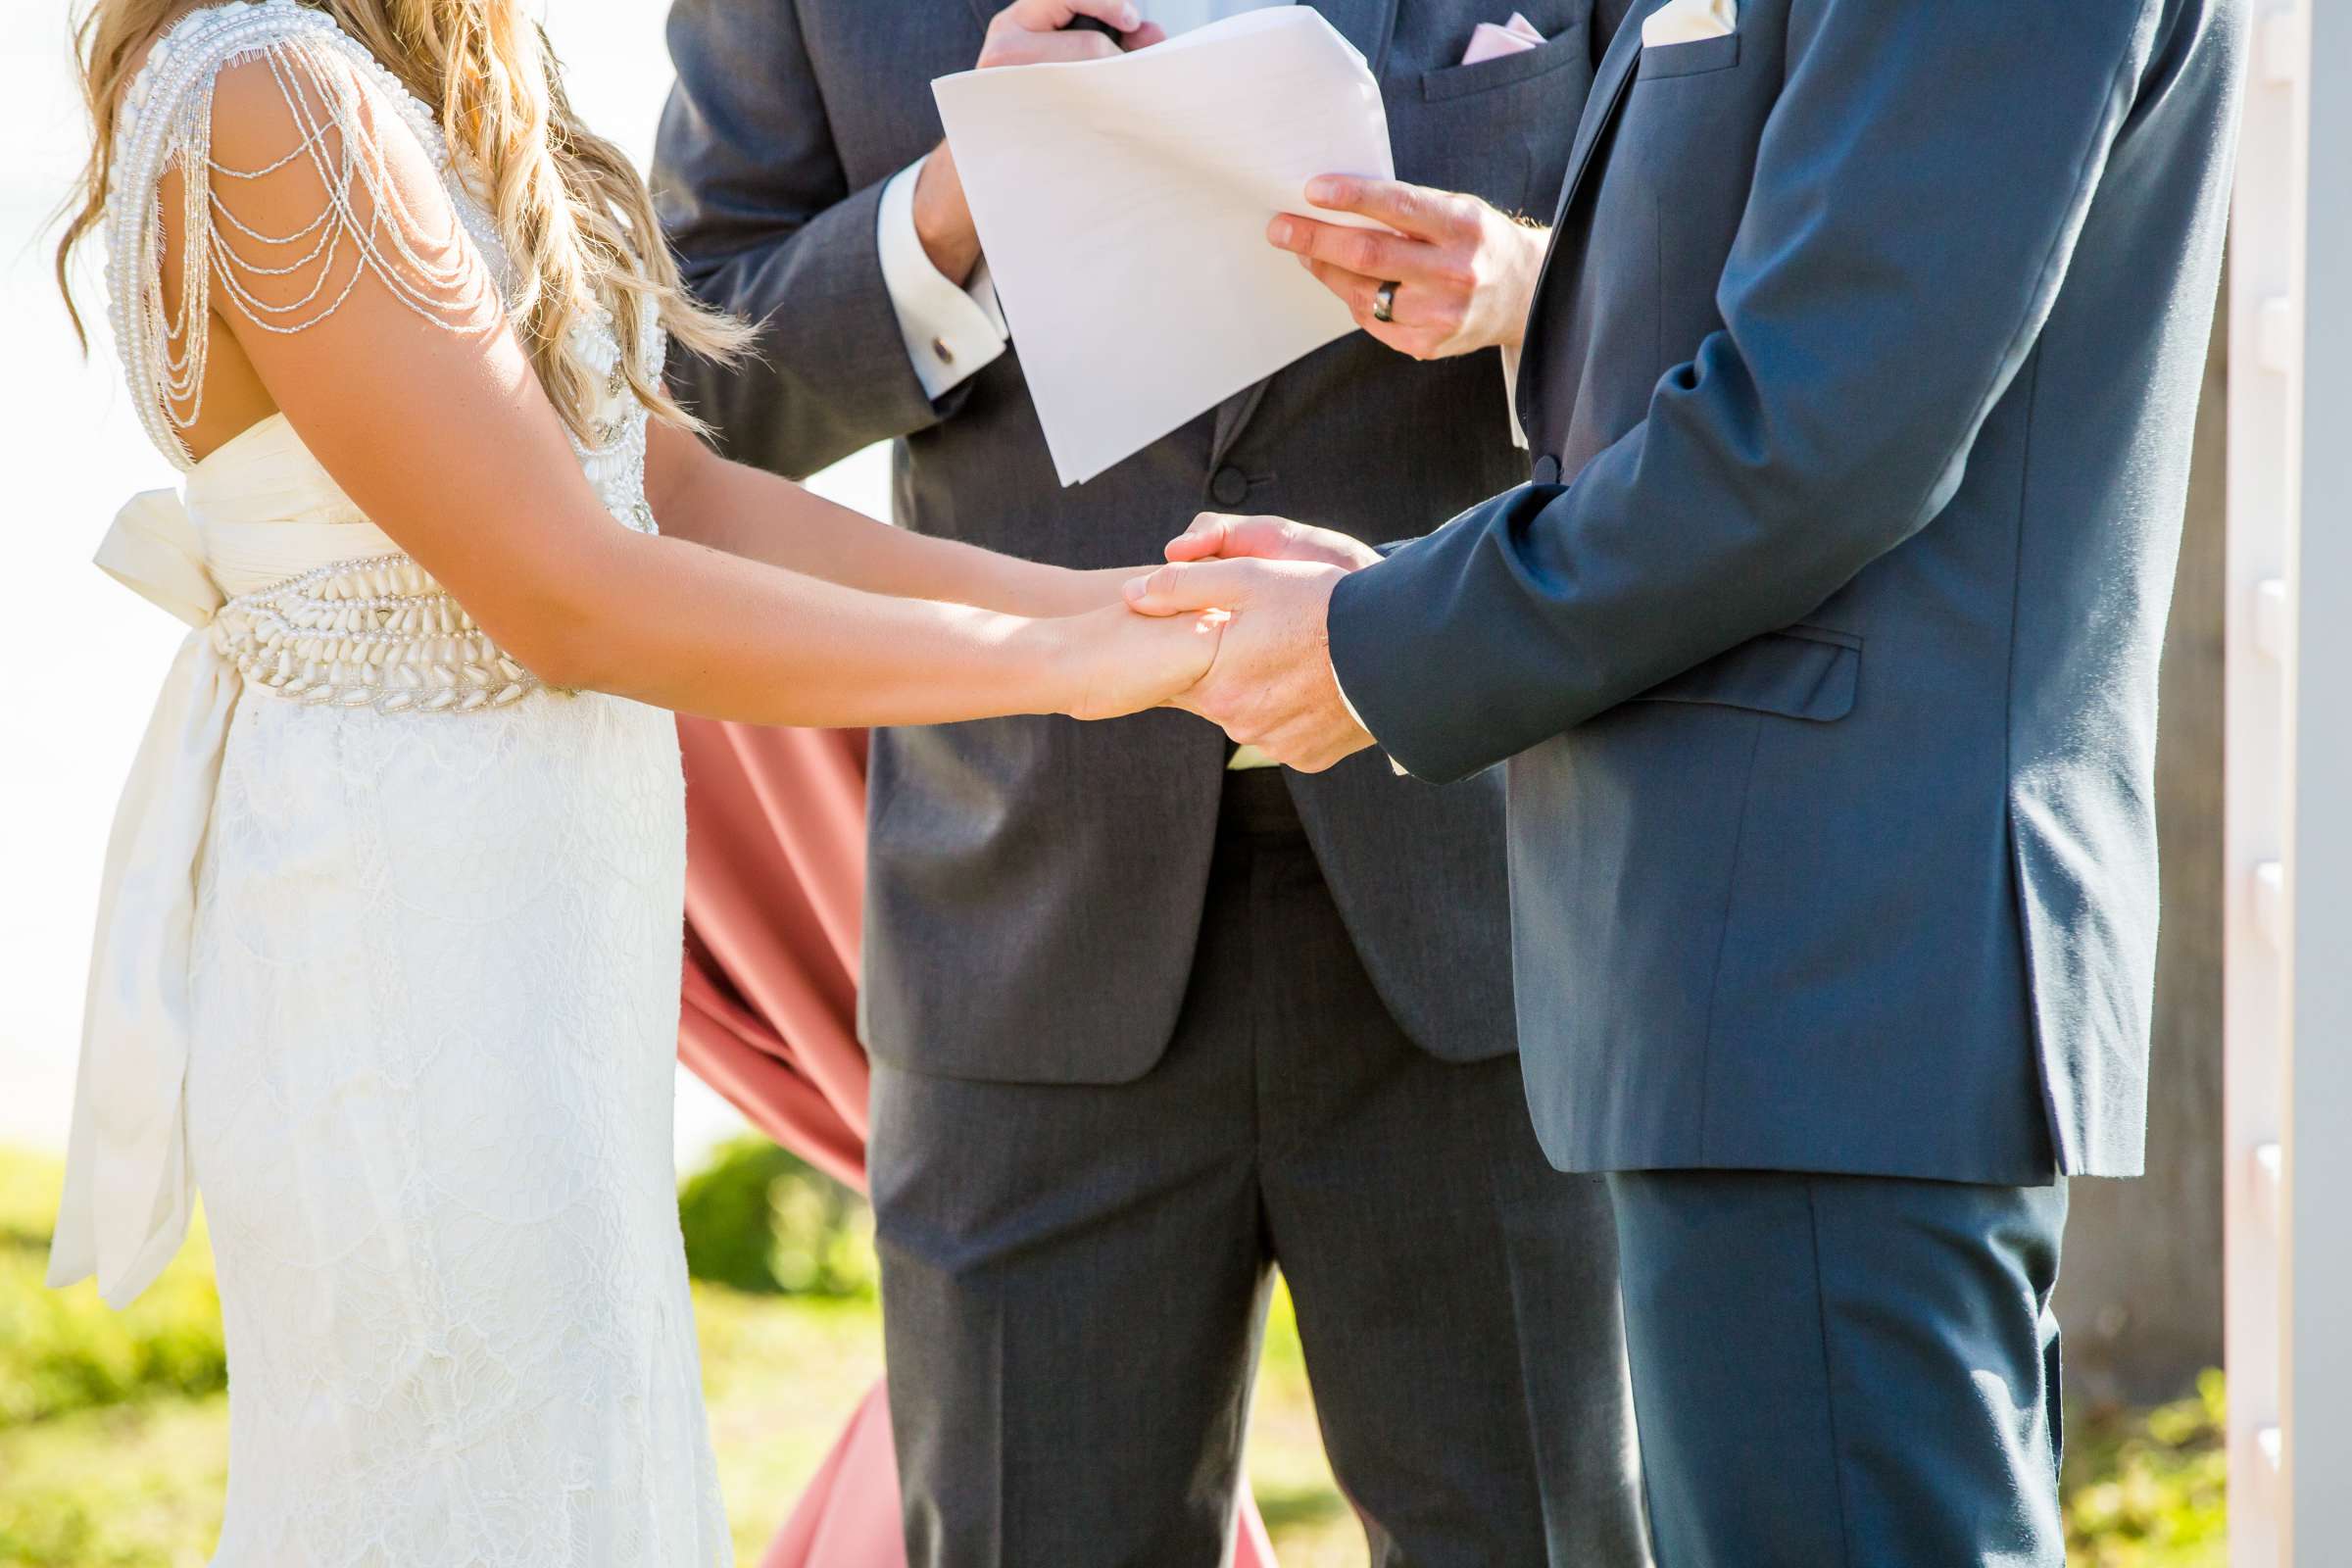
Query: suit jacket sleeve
point(755, 199)
point(1918, 188)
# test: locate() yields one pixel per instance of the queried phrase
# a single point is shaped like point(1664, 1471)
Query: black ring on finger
point(1383, 302)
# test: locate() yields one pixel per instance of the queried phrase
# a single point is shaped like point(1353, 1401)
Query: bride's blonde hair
point(572, 211)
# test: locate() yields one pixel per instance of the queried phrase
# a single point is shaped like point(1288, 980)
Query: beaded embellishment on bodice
point(365, 626)
point(378, 632)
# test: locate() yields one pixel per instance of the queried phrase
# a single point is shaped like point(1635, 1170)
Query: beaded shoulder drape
point(369, 627)
point(388, 944)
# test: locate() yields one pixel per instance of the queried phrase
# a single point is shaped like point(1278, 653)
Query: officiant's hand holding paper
point(1123, 204)
point(1446, 274)
point(1026, 32)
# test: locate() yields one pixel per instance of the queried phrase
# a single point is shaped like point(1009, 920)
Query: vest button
point(1231, 486)
point(1548, 469)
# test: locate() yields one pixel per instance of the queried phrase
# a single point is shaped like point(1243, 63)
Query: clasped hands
point(1268, 581)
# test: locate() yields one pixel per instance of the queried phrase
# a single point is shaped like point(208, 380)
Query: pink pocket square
point(1491, 42)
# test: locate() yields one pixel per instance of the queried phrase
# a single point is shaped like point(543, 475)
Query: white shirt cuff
point(1510, 393)
point(951, 332)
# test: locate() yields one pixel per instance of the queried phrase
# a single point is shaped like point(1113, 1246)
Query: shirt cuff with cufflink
point(951, 332)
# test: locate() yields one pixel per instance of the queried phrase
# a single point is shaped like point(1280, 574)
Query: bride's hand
point(1113, 662)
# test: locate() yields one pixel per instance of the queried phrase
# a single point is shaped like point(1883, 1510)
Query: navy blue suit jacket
point(1824, 650)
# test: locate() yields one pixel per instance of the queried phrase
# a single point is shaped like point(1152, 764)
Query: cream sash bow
point(129, 1182)
point(265, 517)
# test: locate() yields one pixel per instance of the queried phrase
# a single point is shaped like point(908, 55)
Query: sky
point(81, 657)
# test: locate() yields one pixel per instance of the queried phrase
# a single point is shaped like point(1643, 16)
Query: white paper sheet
point(1123, 204)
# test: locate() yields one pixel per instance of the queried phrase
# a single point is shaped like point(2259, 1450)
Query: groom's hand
point(1272, 685)
point(1024, 33)
point(1462, 272)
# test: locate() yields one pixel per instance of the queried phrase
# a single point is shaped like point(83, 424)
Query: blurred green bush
point(2150, 1488)
point(761, 1220)
point(63, 1351)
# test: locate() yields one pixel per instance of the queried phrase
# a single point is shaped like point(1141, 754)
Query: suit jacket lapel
point(1609, 83)
point(1233, 417)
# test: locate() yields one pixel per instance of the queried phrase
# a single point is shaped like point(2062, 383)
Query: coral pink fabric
point(775, 883)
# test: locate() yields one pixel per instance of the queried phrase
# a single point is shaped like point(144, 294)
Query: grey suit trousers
point(1075, 1276)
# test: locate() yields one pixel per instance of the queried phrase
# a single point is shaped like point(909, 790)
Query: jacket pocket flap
point(1692, 59)
point(1808, 673)
point(1566, 47)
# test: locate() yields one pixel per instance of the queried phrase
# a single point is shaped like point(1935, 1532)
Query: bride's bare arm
point(399, 370)
point(699, 495)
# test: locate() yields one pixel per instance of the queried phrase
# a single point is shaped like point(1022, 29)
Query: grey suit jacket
point(1036, 885)
point(1869, 343)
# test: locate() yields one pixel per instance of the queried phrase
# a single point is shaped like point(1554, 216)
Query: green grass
point(130, 1486)
point(114, 1440)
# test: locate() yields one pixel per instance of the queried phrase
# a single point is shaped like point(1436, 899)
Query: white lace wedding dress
point(388, 963)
